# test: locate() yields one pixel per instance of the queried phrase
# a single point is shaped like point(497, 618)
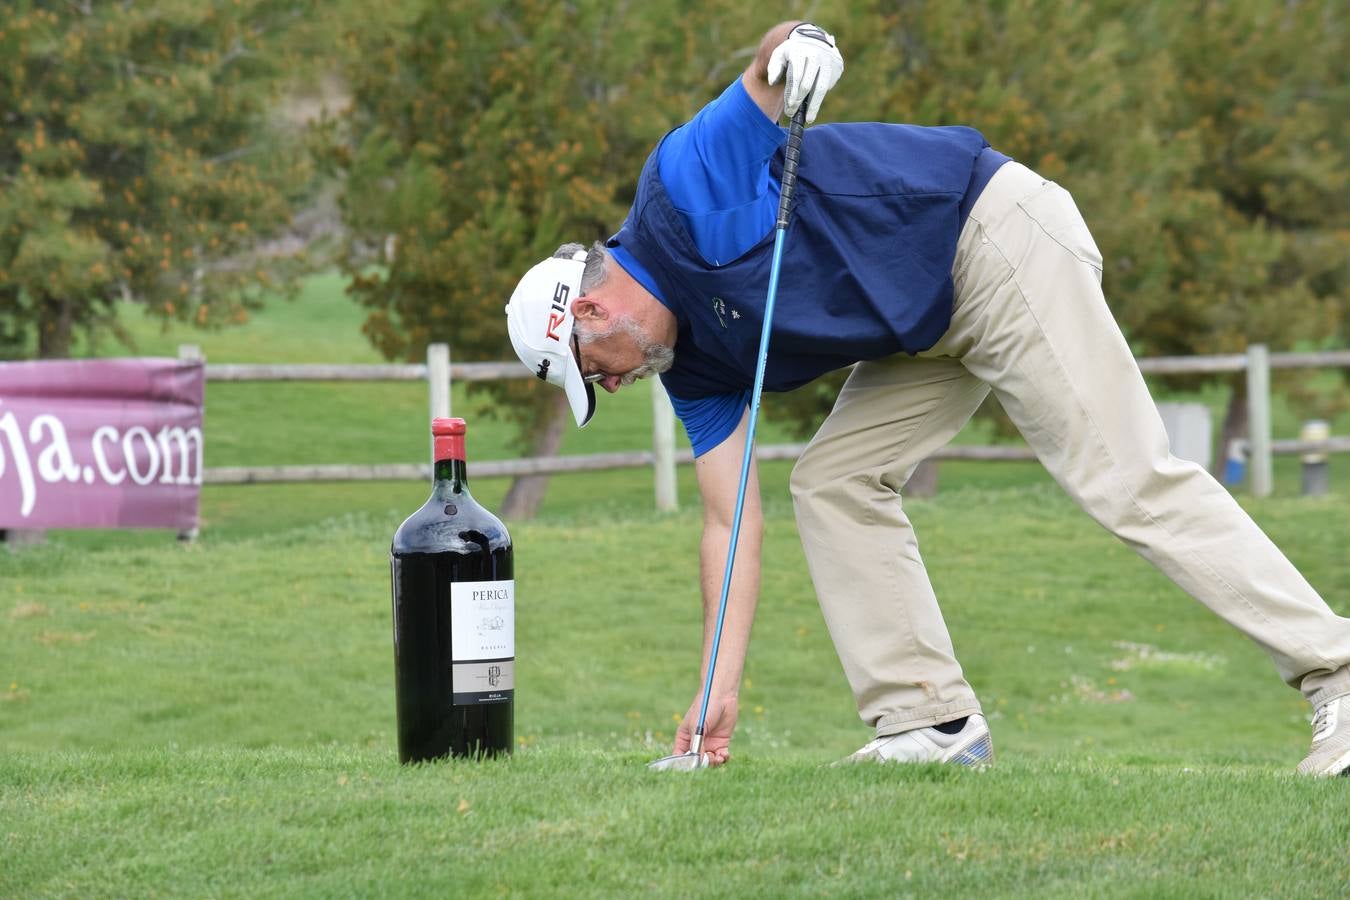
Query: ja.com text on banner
point(101, 443)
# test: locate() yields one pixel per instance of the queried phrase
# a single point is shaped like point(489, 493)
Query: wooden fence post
point(438, 385)
point(663, 448)
point(191, 352)
point(1316, 477)
point(1258, 419)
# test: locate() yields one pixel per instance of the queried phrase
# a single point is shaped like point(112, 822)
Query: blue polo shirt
point(716, 173)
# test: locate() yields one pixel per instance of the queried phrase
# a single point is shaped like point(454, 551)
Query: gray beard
point(656, 357)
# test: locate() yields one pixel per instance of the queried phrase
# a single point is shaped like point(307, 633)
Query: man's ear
point(586, 309)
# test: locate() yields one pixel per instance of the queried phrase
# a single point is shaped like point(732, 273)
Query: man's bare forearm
point(741, 600)
point(718, 478)
point(767, 97)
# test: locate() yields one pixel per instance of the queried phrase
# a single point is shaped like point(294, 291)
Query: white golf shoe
point(971, 746)
point(1330, 753)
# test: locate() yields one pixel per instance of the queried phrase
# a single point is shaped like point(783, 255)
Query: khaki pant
point(1030, 322)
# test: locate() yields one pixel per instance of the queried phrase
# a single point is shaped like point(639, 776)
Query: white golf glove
point(810, 59)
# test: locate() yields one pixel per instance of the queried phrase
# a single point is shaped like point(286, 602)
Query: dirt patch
point(60, 638)
point(28, 610)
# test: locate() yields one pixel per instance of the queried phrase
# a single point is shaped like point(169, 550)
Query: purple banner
point(105, 443)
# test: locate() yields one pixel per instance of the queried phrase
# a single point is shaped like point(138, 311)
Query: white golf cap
point(539, 320)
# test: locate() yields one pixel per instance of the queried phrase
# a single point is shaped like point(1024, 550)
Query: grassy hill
point(289, 423)
point(352, 422)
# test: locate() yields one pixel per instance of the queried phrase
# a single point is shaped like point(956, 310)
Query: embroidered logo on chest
point(720, 307)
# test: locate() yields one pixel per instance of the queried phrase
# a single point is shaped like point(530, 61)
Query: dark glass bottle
point(454, 618)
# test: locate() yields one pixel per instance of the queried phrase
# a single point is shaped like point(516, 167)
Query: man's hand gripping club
point(812, 64)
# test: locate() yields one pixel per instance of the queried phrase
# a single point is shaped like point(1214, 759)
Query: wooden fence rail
point(439, 373)
point(1236, 362)
point(497, 371)
point(630, 459)
point(485, 371)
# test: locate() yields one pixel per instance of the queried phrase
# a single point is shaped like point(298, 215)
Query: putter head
point(680, 762)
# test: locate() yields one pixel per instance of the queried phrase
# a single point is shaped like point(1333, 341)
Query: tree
point(137, 163)
point(1204, 142)
point(1261, 92)
point(482, 136)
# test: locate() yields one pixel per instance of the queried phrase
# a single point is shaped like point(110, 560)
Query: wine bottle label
point(482, 620)
point(482, 682)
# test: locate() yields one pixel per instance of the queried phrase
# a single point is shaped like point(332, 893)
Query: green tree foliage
point(136, 162)
point(485, 134)
point(1205, 143)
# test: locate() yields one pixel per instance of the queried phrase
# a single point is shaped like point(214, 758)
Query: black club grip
point(791, 156)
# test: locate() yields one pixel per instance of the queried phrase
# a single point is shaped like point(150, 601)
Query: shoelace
point(1320, 717)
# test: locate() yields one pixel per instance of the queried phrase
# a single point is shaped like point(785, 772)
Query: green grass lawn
point(566, 823)
point(216, 719)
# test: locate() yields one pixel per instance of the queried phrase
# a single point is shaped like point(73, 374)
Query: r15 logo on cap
point(559, 314)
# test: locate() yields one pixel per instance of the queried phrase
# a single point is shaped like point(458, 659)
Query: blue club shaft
point(745, 476)
point(789, 183)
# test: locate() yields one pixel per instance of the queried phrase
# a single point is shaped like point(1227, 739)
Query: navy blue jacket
point(866, 264)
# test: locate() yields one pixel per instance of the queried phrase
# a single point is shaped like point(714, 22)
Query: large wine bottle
point(454, 618)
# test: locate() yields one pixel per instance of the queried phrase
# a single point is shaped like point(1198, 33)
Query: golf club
point(695, 758)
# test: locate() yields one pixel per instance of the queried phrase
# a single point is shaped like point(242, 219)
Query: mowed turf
point(559, 823)
point(218, 720)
